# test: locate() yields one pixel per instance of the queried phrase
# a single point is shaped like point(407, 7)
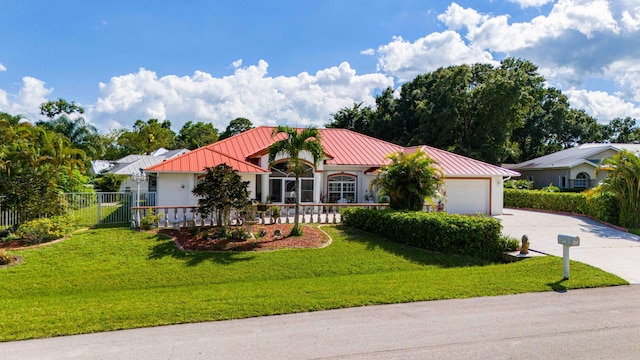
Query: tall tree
point(307, 140)
point(409, 180)
point(235, 127)
point(357, 119)
point(622, 131)
point(51, 109)
point(81, 134)
point(147, 137)
point(195, 135)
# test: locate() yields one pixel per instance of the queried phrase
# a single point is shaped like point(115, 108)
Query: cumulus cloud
point(405, 60)
point(601, 105)
point(3, 68)
point(26, 102)
point(302, 100)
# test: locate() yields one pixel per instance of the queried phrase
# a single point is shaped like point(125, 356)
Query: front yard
point(114, 278)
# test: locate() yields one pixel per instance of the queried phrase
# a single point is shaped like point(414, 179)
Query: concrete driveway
point(611, 250)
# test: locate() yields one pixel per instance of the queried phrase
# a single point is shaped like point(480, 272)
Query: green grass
point(635, 231)
point(114, 278)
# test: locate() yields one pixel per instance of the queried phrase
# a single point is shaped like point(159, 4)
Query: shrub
point(447, 233)
point(518, 184)
point(509, 243)
point(550, 188)
point(5, 258)
point(44, 230)
point(150, 220)
point(600, 205)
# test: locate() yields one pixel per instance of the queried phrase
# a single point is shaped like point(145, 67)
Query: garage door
point(468, 196)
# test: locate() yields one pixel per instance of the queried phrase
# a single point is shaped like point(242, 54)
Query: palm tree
point(297, 141)
point(624, 181)
point(409, 180)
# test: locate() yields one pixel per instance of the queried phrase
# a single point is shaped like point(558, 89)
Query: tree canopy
point(498, 114)
point(235, 127)
point(195, 135)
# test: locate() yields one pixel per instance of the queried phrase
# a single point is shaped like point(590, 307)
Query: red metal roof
point(341, 146)
point(195, 162)
point(458, 165)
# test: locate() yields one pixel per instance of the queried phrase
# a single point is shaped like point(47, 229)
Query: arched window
point(581, 181)
point(282, 184)
point(342, 188)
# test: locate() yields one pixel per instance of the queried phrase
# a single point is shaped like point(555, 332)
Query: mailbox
point(568, 240)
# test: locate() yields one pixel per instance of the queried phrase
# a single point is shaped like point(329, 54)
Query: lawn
point(114, 278)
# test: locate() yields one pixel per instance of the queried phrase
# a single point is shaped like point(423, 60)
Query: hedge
point(602, 206)
point(448, 233)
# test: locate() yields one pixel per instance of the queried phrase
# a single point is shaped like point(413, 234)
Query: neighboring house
point(351, 161)
point(132, 164)
point(571, 168)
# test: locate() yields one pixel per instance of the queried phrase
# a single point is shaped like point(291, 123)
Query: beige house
point(571, 168)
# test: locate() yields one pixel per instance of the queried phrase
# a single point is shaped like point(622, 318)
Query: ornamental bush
point(601, 205)
point(475, 236)
point(45, 229)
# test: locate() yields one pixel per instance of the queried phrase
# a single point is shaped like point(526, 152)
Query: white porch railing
point(186, 216)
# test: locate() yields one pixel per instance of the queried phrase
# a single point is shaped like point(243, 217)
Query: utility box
point(568, 240)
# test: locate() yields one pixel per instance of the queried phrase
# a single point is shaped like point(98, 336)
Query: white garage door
point(468, 196)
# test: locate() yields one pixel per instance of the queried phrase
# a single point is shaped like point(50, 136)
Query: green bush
point(518, 184)
point(550, 188)
point(45, 229)
point(150, 220)
point(509, 243)
point(602, 205)
point(448, 233)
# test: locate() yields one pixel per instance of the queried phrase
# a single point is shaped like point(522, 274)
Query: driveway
point(611, 250)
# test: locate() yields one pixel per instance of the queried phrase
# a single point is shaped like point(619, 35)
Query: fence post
point(99, 196)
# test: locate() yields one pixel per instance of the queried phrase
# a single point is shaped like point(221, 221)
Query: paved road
point(604, 247)
point(578, 324)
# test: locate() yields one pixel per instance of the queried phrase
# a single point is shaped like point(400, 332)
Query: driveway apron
point(602, 246)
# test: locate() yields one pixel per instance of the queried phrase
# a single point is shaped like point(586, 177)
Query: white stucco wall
point(175, 189)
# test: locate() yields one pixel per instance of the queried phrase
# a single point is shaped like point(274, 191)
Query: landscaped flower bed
point(191, 240)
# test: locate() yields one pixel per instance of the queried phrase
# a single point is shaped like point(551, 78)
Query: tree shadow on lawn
point(167, 247)
point(410, 253)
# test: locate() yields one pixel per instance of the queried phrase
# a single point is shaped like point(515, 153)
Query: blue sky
point(297, 62)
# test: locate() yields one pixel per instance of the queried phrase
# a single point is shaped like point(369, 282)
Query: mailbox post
point(567, 241)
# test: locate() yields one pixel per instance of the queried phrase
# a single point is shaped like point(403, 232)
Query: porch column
point(265, 188)
point(318, 186)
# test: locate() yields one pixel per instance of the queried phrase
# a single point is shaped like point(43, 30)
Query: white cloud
point(305, 99)
point(456, 17)
point(3, 68)
point(531, 3)
point(405, 60)
point(32, 93)
point(601, 105)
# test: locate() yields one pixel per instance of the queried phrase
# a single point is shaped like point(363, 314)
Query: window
point(342, 188)
point(282, 184)
point(581, 181)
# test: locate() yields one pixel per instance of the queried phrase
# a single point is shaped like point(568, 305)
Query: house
point(571, 168)
point(131, 164)
point(351, 161)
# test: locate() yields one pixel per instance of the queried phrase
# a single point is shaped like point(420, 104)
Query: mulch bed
point(312, 237)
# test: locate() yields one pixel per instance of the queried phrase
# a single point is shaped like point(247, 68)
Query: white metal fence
point(93, 208)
